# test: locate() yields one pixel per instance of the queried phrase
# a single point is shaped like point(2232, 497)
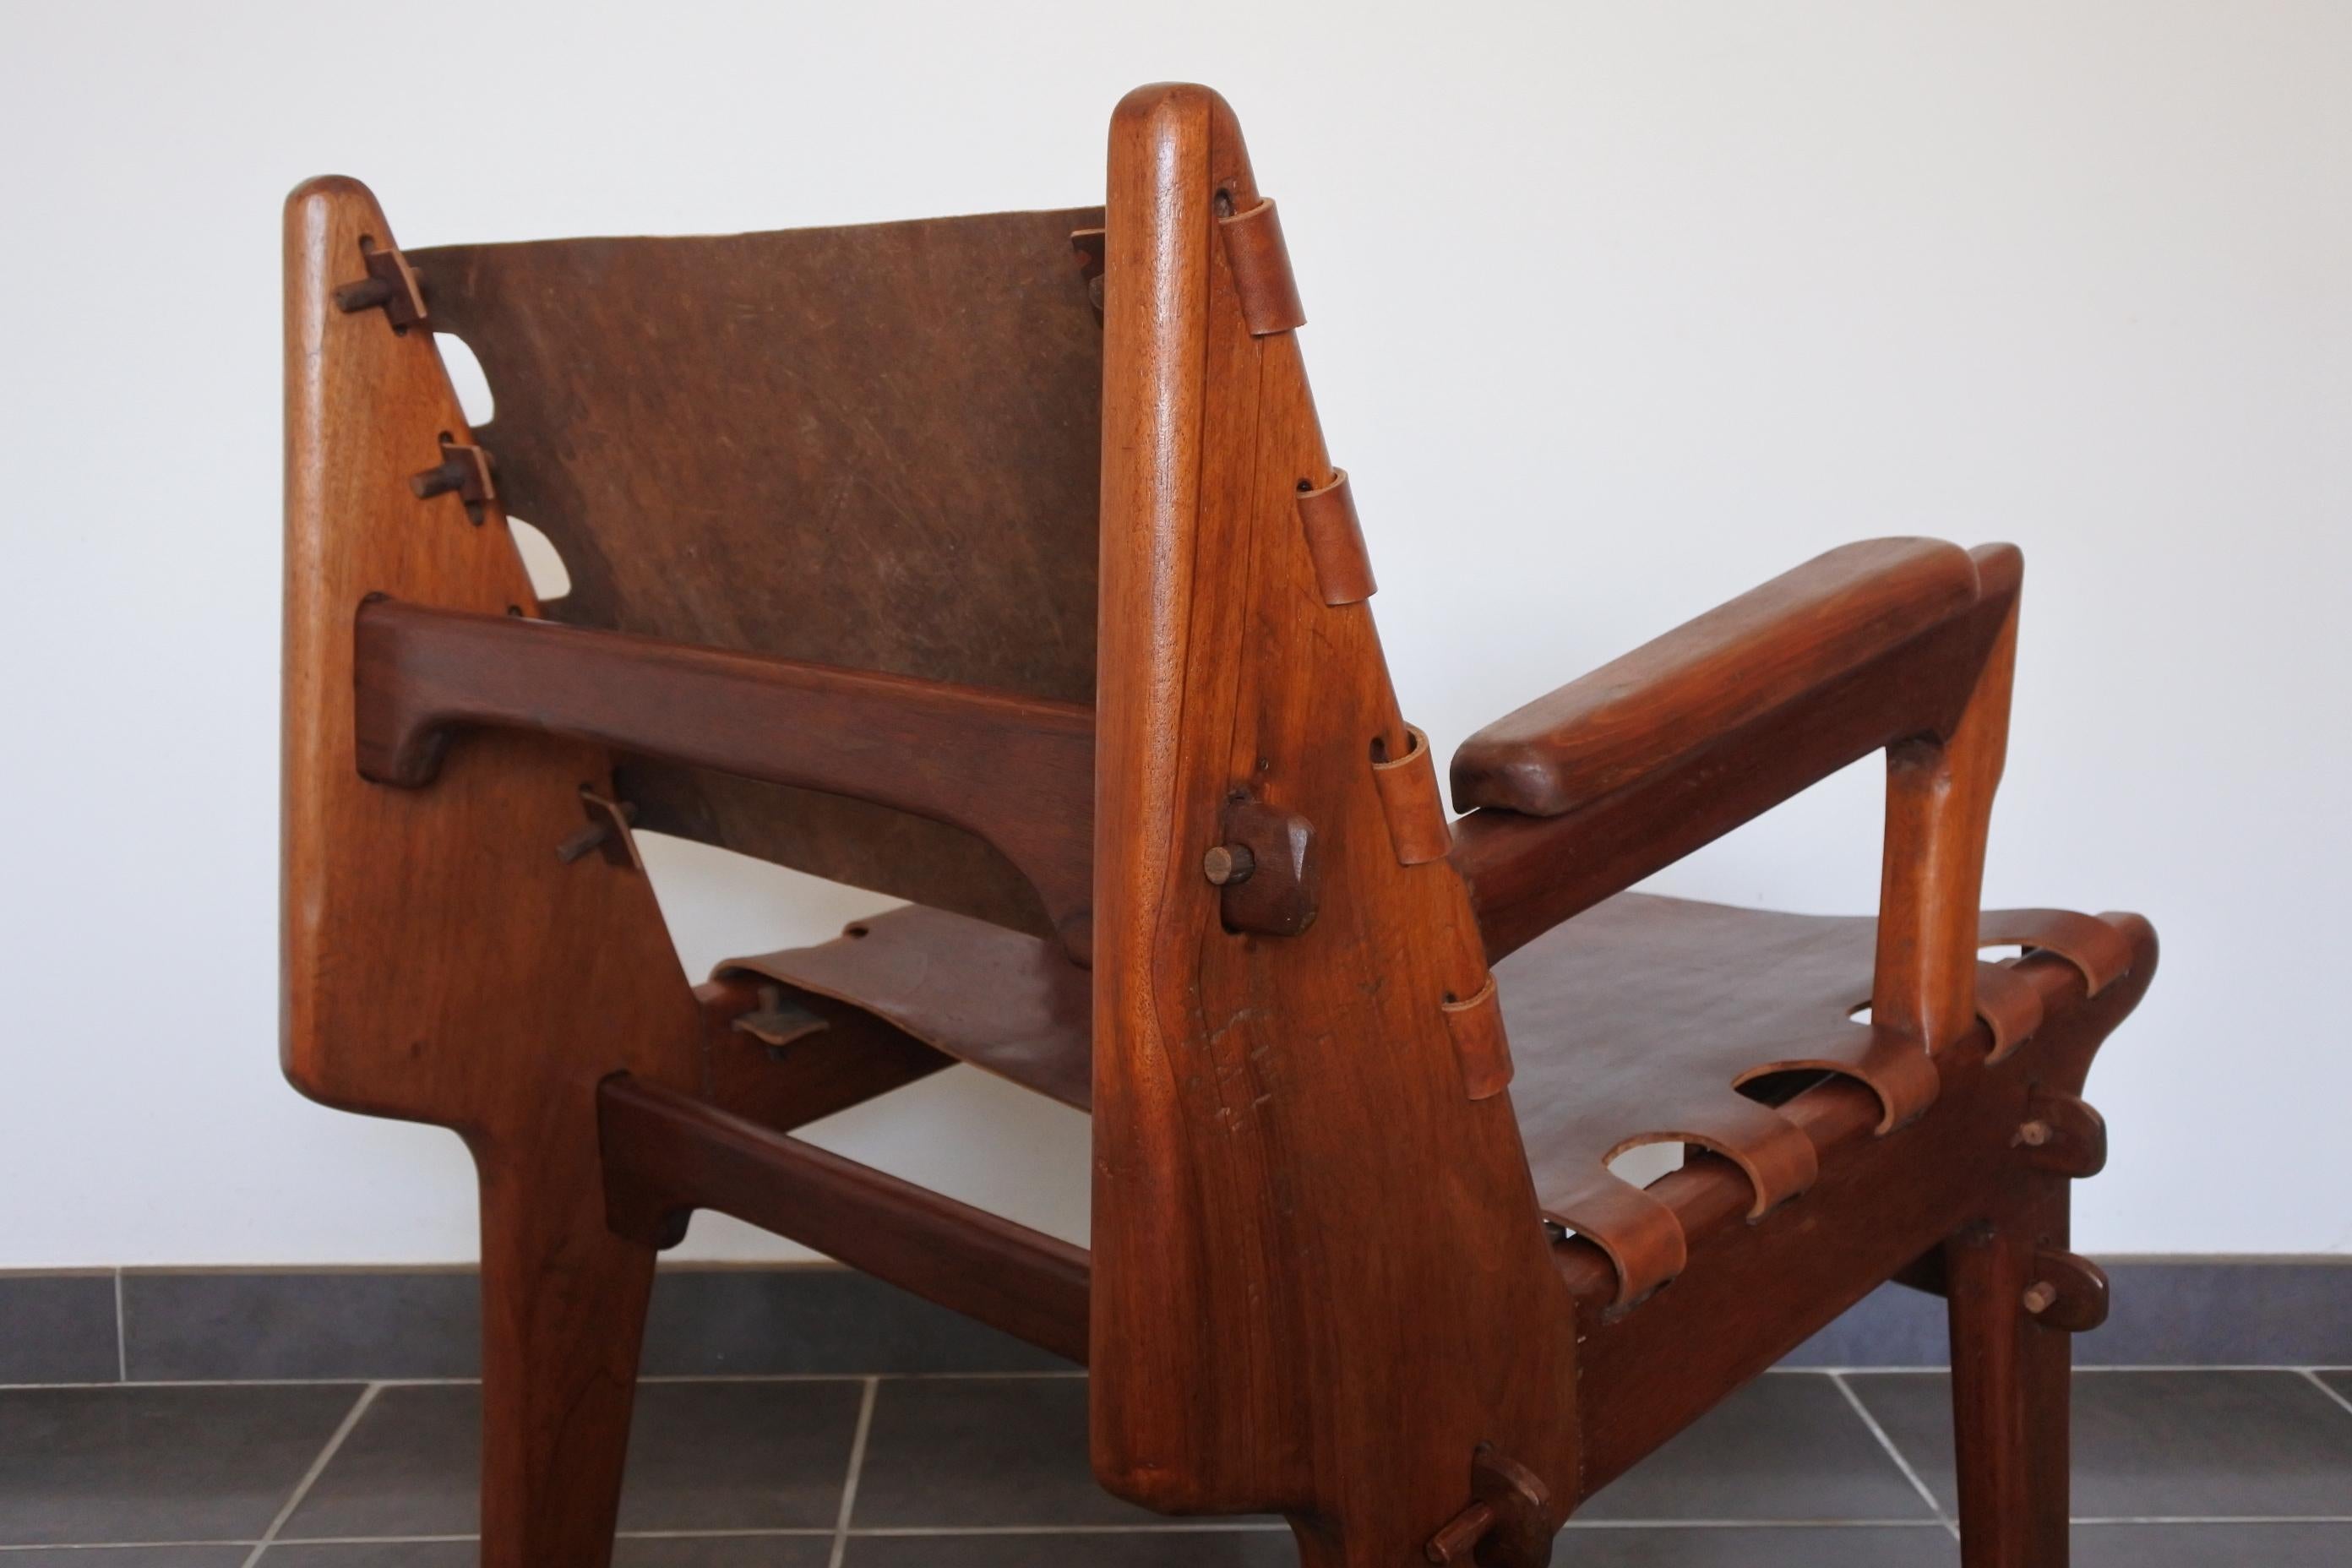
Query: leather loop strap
point(2102, 952)
point(1335, 540)
point(1643, 1236)
point(1261, 268)
point(1408, 786)
point(1780, 1160)
point(1895, 1065)
point(1480, 1046)
point(2011, 1006)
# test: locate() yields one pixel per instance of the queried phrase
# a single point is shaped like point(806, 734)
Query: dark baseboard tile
point(190, 1325)
point(58, 1327)
point(217, 1325)
point(338, 1324)
point(2167, 1311)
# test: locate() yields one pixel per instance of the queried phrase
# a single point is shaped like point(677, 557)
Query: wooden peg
point(1506, 1525)
point(2068, 1292)
point(2063, 1135)
point(1228, 863)
point(1276, 895)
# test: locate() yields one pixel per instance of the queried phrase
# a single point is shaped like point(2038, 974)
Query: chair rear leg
point(563, 1311)
point(2009, 1391)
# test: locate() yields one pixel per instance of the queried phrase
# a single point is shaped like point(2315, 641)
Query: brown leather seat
point(1638, 1022)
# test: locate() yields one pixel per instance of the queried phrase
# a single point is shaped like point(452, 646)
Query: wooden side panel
point(1320, 1278)
point(440, 962)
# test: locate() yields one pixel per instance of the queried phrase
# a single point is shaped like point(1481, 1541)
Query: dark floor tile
point(156, 1464)
point(739, 1455)
point(410, 1467)
point(2173, 1444)
point(1787, 1447)
point(57, 1328)
point(188, 1326)
point(961, 1452)
point(129, 1557)
point(704, 1552)
point(727, 1552)
point(1796, 1546)
point(702, 1456)
point(816, 1320)
point(1137, 1549)
point(2207, 1545)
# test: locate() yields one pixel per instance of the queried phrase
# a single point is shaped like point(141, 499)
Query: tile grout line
point(318, 1467)
point(2321, 1384)
point(121, 1335)
point(1188, 1527)
point(1894, 1454)
point(849, 1480)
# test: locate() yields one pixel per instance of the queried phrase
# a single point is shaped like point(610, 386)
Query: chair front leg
point(564, 1312)
point(2011, 1363)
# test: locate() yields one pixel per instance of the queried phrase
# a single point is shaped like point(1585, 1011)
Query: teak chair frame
point(1321, 1282)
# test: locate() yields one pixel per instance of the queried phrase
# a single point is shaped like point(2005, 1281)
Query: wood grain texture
point(439, 964)
point(1250, 1092)
point(830, 504)
point(872, 446)
point(1640, 714)
point(1017, 772)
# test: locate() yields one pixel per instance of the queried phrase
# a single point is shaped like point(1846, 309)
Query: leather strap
point(2101, 951)
point(1334, 540)
point(1408, 786)
point(1479, 1043)
point(1261, 268)
point(2010, 1005)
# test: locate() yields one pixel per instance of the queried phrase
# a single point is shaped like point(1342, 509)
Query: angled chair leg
point(2009, 1390)
point(563, 1311)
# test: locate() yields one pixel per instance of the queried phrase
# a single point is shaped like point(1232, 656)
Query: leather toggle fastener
point(391, 285)
point(1505, 1527)
point(1093, 248)
point(608, 830)
point(778, 1021)
point(463, 468)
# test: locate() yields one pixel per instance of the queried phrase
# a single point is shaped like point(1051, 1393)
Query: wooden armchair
point(935, 558)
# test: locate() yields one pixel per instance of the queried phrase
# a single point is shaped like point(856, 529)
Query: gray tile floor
point(2172, 1467)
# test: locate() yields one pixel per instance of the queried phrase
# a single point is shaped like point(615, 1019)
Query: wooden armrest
point(1526, 873)
point(1643, 712)
point(1016, 771)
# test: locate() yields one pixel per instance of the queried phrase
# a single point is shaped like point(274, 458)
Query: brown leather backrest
point(873, 446)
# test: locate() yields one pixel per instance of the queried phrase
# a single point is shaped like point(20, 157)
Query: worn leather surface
point(1632, 1024)
point(875, 447)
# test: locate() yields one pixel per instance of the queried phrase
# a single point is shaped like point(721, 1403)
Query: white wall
point(1617, 310)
